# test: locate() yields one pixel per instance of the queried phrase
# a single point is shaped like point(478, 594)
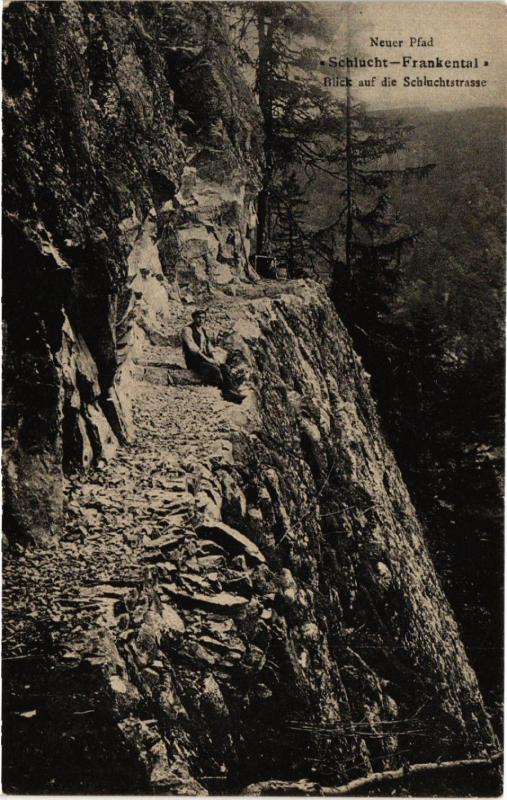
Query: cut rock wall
point(249, 585)
point(130, 171)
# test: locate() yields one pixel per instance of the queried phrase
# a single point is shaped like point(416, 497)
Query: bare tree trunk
point(348, 150)
point(265, 34)
point(377, 778)
point(368, 781)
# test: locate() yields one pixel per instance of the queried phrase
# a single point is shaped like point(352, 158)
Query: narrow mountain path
point(143, 550)
point(157, 486)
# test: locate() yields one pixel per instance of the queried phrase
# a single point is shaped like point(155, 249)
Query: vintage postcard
point(253, 382)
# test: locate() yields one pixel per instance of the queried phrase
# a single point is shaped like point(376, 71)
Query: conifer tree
point(309, 134)
point(280, 44)
point(290, 246)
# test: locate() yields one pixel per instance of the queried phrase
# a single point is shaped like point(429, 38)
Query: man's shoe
point(232, 396)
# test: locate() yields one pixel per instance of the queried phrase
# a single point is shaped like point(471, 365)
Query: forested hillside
point(433, 342)
point(454, 289)
point(459, 210)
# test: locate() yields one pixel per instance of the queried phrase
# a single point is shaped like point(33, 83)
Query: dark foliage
point(427, 317)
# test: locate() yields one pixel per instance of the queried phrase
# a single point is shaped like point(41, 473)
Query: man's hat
point(198, 311)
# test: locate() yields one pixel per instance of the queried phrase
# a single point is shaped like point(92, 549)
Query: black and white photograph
point(253, 398)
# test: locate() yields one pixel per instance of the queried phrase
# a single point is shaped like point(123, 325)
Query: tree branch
point(374, 779)
point(377, 778)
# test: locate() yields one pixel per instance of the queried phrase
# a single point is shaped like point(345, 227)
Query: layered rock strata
point(249, 585)
point(131, 154)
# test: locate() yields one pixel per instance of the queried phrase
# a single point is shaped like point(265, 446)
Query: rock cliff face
point(124, 123)
point(236, 594)
point(244, 593)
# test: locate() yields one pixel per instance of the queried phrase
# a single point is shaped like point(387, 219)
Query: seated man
point(199, 358)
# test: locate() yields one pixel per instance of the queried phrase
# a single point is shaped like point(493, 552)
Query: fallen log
point(277, 787)
point(376, 778)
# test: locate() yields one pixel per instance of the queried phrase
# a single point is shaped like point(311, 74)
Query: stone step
point(167, 376)
point(156, 375)
point(182, 377)
point(165, 364)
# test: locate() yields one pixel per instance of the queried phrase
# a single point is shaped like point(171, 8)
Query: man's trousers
point(211, 374)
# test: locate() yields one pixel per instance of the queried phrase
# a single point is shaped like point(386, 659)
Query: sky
point(459, 30)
